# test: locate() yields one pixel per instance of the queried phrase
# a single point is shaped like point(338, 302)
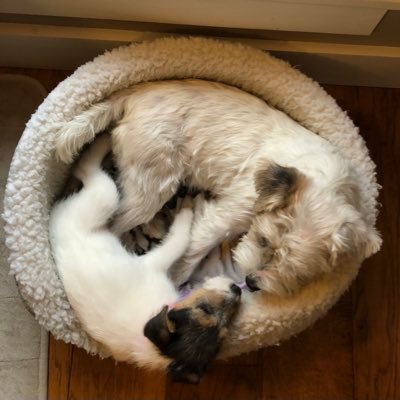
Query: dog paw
point(183, 219)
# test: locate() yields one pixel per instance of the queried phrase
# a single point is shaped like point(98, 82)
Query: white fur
point(113, 292)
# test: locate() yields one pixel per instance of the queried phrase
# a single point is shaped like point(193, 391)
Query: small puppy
point(290, 189)
point(117, 295)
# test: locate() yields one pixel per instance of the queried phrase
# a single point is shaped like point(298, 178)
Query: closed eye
point(205, 308)
point(263, 241)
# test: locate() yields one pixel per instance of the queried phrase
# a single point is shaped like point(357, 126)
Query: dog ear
point(178, 318)
point(354, 238)
point(275, 185)
point(160, 328)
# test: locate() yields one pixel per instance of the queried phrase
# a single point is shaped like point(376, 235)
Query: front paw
point(183, 222)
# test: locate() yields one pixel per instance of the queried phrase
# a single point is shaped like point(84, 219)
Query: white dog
point(291, 190)
point(116, 294)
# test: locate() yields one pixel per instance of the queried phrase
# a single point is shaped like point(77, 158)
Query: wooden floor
point(352, 353)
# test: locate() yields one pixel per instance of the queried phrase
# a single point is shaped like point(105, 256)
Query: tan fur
point(268, 175)
point(276, 186)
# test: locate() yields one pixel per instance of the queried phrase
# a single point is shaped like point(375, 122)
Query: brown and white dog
point(126, 301)
point(290, 190)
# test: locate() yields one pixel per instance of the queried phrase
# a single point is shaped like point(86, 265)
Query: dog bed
point(36, 177)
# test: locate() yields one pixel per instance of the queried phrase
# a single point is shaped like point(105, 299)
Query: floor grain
point(92, 378)
point(59, 373)
point(376, 292)
point(316, 365)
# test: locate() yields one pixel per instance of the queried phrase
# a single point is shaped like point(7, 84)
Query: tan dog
point(290, 189)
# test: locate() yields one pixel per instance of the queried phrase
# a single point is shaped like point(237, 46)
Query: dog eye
point(262, 241)
point(205, 308)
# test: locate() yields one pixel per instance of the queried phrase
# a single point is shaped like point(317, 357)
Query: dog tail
point(82, 129)
point(98, 200)
point(89, 164)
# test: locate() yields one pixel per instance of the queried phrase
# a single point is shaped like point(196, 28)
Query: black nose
point(236, 289)
point(251, 283)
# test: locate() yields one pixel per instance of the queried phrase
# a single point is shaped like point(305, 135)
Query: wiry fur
point(222, 139)
point(116, 293)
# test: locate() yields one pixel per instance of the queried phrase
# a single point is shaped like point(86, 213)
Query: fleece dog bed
point(36, 177)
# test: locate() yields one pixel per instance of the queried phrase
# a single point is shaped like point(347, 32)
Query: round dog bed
point(35, 176)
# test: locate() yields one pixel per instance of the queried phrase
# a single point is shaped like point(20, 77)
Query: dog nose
point(251, 283)
point(236, 289)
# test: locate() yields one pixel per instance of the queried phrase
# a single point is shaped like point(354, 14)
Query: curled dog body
point(118, 295)
point(289, 189)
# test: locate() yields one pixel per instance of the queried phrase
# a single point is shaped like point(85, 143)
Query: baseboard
point(67, 47)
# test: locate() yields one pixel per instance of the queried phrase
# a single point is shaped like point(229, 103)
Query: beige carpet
point(23, 344)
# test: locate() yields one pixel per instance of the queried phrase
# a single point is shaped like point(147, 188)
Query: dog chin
point(248, 257)
point(270, 282)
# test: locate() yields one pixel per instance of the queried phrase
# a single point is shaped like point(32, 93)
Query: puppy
point(118, 296)
point(290, 190)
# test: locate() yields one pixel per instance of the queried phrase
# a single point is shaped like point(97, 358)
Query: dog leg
point(175, 244)
point(142, 199)
point(218, 220)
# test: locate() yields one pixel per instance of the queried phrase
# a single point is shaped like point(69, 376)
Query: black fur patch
point(191, 346)
point(274, 185)
point(275, 178)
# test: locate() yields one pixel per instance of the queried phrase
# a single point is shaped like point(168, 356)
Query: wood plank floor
point(352, 353)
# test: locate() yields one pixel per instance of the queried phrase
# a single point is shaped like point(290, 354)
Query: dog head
point(302, 228)
point(191, 332)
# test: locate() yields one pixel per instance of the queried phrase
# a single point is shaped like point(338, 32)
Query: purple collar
point(243, 286)
point(183, 292)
